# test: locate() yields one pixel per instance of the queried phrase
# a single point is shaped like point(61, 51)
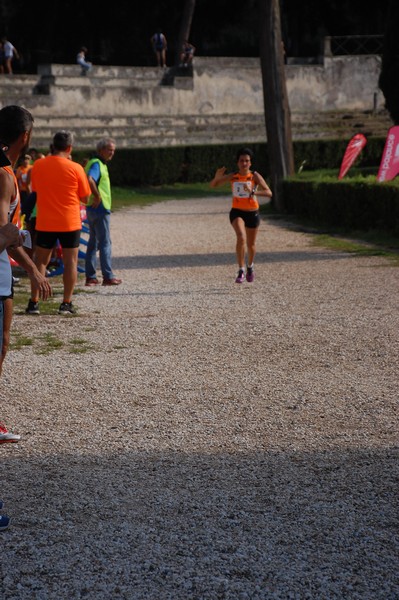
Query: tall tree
point(185, 27)
point(277, 112)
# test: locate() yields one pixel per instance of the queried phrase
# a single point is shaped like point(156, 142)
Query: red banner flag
point(353, 149)
point(389, 166)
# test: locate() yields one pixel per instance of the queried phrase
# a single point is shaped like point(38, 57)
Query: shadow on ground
point(221, 258)
point(147, 525)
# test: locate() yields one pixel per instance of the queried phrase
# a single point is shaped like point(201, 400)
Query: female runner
point(246, 185)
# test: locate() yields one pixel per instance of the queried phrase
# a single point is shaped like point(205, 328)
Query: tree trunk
point(277, 112)
point(185, 28)
point(388, 80)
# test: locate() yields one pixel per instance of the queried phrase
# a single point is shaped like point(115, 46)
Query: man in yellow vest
point(99, 215)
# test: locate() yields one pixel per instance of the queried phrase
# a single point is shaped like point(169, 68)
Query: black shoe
point(66, 308)
point(33, 308)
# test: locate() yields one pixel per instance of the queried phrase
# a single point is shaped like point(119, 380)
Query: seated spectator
point(81, 60)
point(187, 54)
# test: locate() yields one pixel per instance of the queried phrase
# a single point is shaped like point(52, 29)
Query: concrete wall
point(221, 100)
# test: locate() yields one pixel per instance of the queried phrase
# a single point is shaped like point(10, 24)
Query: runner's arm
point(95, 193)
point(220, 177)
point(9, 236)
point(6, 192)
point(265, 190)
point(24, 261)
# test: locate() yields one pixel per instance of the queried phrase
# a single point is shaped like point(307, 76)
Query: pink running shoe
point(250, 274)
point(241, 276)
point(7, 436)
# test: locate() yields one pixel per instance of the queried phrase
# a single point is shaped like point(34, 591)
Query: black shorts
point(251, 218)
point(67, 239)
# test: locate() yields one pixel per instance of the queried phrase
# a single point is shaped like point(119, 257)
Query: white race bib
point(242, 189)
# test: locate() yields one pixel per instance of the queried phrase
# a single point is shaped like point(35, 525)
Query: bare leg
point(42, 258)
point(8, 65)
point(239, 228)
point(251, 243)
point(6, 330)
point(70, 275)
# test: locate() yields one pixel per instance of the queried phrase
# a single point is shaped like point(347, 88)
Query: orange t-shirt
point(59, 184)
point(22, 177)
point(241, 187)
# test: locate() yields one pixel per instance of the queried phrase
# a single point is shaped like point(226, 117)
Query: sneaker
point(90, 281)
point(33, 308)
point(241, 276)
point(4, 522)
point(66, 308)
point(250, 275)
point(113, 281)
point(15, 280)
point(7, 436)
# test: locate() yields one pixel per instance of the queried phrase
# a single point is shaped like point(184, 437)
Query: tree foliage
point(119, 33)
point(389, 77)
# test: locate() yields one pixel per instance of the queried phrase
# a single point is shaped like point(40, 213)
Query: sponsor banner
point(353, 149)
point(389, 166)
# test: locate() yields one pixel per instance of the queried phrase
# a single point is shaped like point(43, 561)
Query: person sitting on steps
point(187, 54)
point(81, 60)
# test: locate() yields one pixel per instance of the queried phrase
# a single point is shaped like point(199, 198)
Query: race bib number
point(242, 189)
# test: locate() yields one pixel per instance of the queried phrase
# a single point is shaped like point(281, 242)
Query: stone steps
point(150, 131)
point(194, 129)
point(340, 125)
point(149, 106)
point(16, 86)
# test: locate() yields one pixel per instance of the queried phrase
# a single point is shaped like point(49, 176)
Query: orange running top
point(22, 177)
point(242, 187)
point(59, 184)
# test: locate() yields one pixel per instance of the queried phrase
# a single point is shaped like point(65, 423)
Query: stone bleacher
point(149, 106)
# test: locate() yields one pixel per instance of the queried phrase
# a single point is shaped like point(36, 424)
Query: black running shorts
point(251, 218)
point(67, 239)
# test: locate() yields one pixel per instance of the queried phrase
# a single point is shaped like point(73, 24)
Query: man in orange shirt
point(61, 186)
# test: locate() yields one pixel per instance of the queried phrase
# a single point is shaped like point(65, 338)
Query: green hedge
point(147, 166)
point(356, 204)
point(192, 164)
point(327, 154)
point(353, 203)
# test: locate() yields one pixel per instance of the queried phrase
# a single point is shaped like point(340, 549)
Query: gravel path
point(215, 441)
